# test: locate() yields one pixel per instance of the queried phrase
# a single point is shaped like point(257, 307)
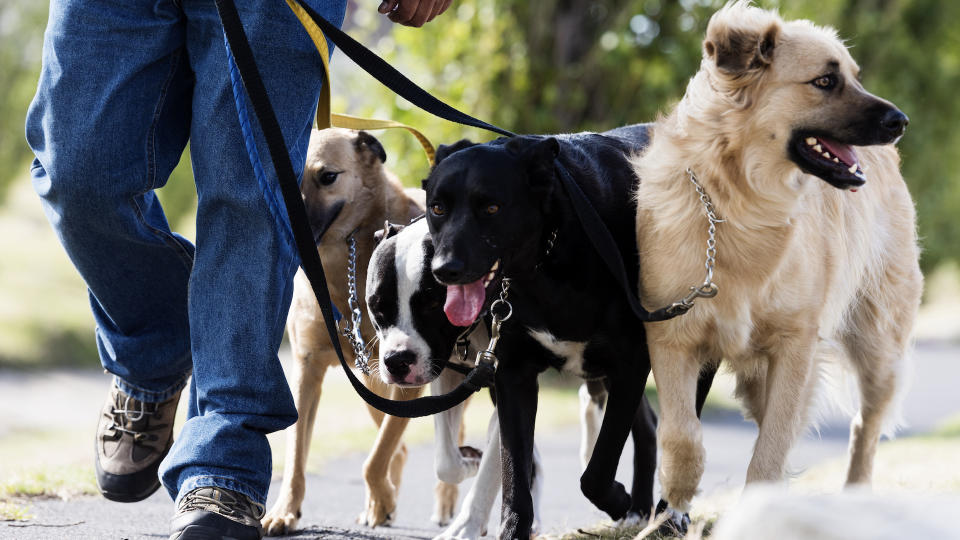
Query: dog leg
point(598, 482)
point(306, 380)
point(383, 467)
point(593, 398)
point(878, 353)
point(536, 490)
point(471, 521)
point(453, 462)
point(516, 389)
point(679, 433)
point(645, 459)
point(788, 393)
point(644, 434)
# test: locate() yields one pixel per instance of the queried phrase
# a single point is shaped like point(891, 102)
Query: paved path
point(335, 495)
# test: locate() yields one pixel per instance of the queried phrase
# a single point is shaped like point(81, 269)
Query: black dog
point(498, 210)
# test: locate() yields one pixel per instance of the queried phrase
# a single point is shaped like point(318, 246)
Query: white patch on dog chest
point(570, 351)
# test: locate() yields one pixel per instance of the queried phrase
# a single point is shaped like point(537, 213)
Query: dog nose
point(448, 271)
point(894, 122)
point(398, 363)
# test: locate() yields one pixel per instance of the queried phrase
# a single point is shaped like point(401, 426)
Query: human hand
point(413, 12)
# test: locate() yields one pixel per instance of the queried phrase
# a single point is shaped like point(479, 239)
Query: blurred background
point(531, 66)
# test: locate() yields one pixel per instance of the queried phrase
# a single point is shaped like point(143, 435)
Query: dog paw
point(279, 521)
point(462, 530)
point(445, 502)
point(380, 507)
point(675, 523)
point(633, 519)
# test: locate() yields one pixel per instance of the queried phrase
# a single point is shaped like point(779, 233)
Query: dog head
point(342, 181)
point(790, 88)
point(486, 206)
point(405, 304)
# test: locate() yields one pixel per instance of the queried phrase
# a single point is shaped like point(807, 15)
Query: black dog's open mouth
point(465, 302)
point(834, 162)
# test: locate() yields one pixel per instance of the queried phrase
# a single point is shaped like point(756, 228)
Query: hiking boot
point(132, 438)
point(211, 513)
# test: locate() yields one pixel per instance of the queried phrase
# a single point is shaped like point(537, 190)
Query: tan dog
point(348, 191)
point(817, 253)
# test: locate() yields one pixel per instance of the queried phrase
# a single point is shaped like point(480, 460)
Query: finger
point(423, 13)
point(387, 6)
point(405, 11)
point(437, 9)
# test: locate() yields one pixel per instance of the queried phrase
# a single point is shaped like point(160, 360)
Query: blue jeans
point(124, 86)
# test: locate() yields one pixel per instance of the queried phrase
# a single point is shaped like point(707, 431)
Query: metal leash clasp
point(487, 356)
point(706, 290)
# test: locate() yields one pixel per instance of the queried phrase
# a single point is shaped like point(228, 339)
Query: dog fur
point(347, 190)
point(810, 259)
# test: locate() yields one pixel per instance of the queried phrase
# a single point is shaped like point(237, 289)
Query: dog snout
point(398, 363)
point(893, 123)
point(449, 270)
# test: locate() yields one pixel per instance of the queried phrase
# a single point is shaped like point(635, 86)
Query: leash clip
point(488, 356)
point(706, 290)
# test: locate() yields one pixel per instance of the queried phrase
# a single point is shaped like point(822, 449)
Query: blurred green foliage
point(542, 66)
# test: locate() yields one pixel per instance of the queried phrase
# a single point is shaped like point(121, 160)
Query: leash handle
point(480, 376)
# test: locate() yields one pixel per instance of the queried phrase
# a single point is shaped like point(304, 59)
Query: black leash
point(482, 374)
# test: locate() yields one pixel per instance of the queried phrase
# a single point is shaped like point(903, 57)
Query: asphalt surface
point(335, 495)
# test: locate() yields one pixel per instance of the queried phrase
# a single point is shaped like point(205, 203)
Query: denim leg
point(241, 284)
point(109, 121)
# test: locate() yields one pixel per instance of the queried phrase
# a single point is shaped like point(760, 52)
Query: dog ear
point(444, 150)
point(388, 230)
point(367, 141)
point(741, 39)
point(539, 155)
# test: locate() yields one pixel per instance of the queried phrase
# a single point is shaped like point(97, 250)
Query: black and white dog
point(497, 210)
point(416, 344)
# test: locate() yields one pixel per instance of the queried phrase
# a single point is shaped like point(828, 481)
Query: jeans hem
point(150, 396)
point(221, 482)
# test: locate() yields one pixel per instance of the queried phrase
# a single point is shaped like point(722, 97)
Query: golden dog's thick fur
point(803, 268)
point(370, 195)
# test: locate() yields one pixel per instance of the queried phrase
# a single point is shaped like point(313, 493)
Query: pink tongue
point(842, 151)
point(464, 302)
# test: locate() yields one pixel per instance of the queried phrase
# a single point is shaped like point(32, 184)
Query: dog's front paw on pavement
point(445, 503)
point(380, 507)
point(279, 522)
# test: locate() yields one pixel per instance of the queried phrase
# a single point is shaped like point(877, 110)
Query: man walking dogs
point(124, 86)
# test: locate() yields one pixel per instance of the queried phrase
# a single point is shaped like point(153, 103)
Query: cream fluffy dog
point(816, 256)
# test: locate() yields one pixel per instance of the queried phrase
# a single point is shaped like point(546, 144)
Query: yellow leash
point(326, 118)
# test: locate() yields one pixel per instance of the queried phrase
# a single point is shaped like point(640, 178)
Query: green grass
point(10, 511)
point(62, 482)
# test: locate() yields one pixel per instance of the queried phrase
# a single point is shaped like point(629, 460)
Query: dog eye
point(492, 209)
point(825, 82)
point(328, 177)
point(438, 209)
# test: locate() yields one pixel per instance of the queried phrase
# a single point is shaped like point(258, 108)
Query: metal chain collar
point(707, 289)
point(351, 330)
